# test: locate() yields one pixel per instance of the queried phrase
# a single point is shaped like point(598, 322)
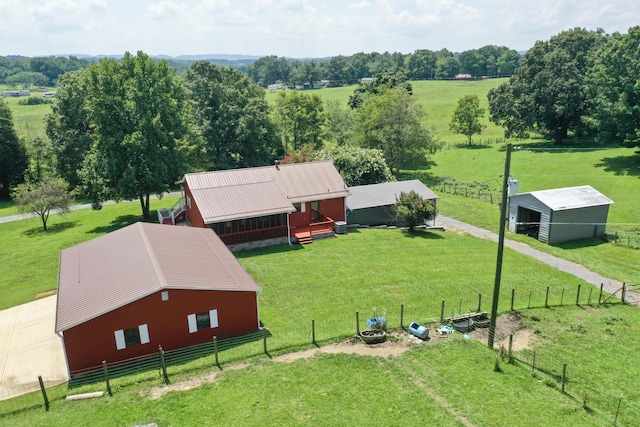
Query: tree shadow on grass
point(51, 229)
point(474, 146)
point(423, 234)
point(119, 222)
point(621, 165)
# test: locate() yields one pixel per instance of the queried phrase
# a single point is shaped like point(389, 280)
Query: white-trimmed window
point(205, 320)
point(132, 336)
point(300, 207)
point(164, 295)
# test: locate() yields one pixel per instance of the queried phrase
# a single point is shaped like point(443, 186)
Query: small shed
point(372, 204)
point(560, 214)
point(124, 294)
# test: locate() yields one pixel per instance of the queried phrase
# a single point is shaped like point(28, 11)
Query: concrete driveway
point(29, 347)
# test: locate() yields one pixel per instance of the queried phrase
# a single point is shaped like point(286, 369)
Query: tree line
point(492, 61)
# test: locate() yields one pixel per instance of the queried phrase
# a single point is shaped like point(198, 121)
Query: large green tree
point(547, 93)
point(138, 113)
point(68, 125)
point(392, 121)
point(466, 117)
point(614, 85)
point(231, 118)
point(13, 155)
point(357, 166)
point(339, 122)
point(269, 70)
point(300, 119)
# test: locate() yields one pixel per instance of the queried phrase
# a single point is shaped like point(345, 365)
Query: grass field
point(449, 383)
point(439, 99)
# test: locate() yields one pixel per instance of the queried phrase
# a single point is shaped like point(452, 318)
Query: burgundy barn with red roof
point(124, 294)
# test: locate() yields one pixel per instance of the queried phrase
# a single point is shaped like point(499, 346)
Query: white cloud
point(166, 10)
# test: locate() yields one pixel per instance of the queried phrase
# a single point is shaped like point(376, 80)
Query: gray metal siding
point(573, 224)
point(372, 216)
point(527, 201)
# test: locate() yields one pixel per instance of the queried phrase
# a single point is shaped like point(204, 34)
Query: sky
point(295, 28)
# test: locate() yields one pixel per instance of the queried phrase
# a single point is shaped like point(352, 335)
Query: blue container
point(419, 330)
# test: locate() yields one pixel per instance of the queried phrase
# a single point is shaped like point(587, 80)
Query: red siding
point(193, 213)
point(88, 344)
point(333, 208)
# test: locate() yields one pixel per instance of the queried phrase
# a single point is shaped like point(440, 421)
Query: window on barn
point(205, 320)
point(131, 336)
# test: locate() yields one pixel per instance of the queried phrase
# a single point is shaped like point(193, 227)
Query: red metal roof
point(297, 182)
point(113, 270)
point(240, 201)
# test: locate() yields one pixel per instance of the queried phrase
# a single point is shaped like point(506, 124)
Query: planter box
point(373, 336)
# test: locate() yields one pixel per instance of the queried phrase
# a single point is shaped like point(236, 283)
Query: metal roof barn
point(560, 214)
point(152, 279)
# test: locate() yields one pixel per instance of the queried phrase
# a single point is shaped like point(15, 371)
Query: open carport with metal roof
point(373, 204)
point(559, 215)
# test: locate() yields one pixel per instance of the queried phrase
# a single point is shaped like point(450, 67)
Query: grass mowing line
point(445, 404)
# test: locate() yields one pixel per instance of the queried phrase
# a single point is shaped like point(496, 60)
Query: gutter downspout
point(258, 307)
point(288, 230)
point(64, 350)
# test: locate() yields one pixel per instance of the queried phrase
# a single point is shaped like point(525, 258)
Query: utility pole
point(503, 220)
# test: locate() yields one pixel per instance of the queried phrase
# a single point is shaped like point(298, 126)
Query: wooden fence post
point(163, 365)
point(357, 323)
point(442, 312)
point(624, 291)
point(562, 297)
point(578, 294)
point(401, 316)
point(313, 331)
point(106, 377)
point(589, 299)
point(513, 297)
point(215, 350)
point(529, 304)
point(600, 296)
point(546, 298)
point(44, 393)
point(479, 302)
point(564, 375)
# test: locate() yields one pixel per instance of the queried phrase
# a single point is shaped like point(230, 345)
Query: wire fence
point(164, 367)
point(573, 380)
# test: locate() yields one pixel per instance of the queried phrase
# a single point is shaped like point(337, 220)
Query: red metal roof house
point(124, 294)
point(267, 205)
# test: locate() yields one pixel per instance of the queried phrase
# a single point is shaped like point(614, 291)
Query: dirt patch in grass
point(506, 325)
